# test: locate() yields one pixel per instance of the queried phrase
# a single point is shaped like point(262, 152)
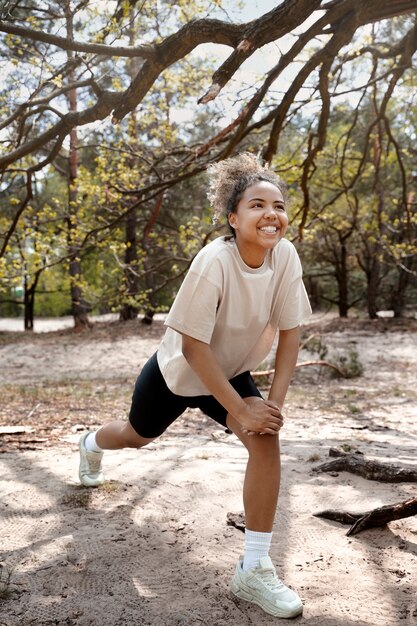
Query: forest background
point(110, 113)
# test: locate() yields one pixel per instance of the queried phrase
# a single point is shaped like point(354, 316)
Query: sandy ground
point(152, 547)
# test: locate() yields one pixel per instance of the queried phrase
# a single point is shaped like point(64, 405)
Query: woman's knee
point(263, 448)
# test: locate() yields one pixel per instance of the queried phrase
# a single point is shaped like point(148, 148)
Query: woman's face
point(259, 222)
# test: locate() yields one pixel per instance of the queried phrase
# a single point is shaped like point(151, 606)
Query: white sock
point(90, 443)
point(256, 546)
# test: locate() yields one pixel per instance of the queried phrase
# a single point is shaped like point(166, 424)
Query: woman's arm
point(261, 416)
point(285, 362)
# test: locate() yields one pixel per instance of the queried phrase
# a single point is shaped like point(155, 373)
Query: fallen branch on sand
point(237, 520)
point(372, 470)
point(371, 519)
point(355, 463)
point(270, 372)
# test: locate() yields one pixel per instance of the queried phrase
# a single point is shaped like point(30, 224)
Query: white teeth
point(269, 229)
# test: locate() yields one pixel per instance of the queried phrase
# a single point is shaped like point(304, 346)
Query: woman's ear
point(232, 217)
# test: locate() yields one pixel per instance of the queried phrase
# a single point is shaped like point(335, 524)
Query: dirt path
point(151, 547)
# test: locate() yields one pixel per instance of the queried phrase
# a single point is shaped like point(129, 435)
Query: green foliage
point(114, 166)
point(351, 366)
point(354, 223)
point(316, 345)
point(53, 294)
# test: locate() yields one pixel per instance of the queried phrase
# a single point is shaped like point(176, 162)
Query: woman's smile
point(269, 230)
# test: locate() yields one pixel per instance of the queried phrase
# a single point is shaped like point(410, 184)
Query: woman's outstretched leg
point(120, 434)
point(153, 408)
point(113, 436)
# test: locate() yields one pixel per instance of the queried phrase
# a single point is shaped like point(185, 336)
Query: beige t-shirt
point(234, 308)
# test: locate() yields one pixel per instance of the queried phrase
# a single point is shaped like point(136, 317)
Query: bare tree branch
point(98, 111)
point(244, 38)
point(144, 51)
point(269, 27)
point(28, 197)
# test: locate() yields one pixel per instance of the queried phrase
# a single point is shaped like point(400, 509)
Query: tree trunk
point(342, 281)
point(129, 311)
point(29, 304)
point(398, 293)
point(149, 275)
point(150, 285)
point(374, 271)
point(29, 300)
point(79, 306)
point(372, 291)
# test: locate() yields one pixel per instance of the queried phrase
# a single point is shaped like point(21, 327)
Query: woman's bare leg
point(262, 477)
point(120, 434)
point(260, 584)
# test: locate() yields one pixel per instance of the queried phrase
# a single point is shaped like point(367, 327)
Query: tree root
point(320, 362)
point(371, 519)
point(237, 520)
point(372, 470)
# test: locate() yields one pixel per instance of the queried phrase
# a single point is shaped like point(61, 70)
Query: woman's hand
point(260, 417)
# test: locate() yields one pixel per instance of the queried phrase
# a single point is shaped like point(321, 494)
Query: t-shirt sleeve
point(292, 305)
point(296, 306)
point(194, 309)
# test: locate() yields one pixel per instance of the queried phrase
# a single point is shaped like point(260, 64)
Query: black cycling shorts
point(154, 407)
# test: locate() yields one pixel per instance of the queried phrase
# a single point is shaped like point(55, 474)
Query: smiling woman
point(238, 292)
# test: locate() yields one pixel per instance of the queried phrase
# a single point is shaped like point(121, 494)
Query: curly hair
point(229, 179)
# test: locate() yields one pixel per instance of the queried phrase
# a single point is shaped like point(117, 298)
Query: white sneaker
point(90, 472)
point(261, 586)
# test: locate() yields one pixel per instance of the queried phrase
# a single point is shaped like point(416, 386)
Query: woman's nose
point(270, 211)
